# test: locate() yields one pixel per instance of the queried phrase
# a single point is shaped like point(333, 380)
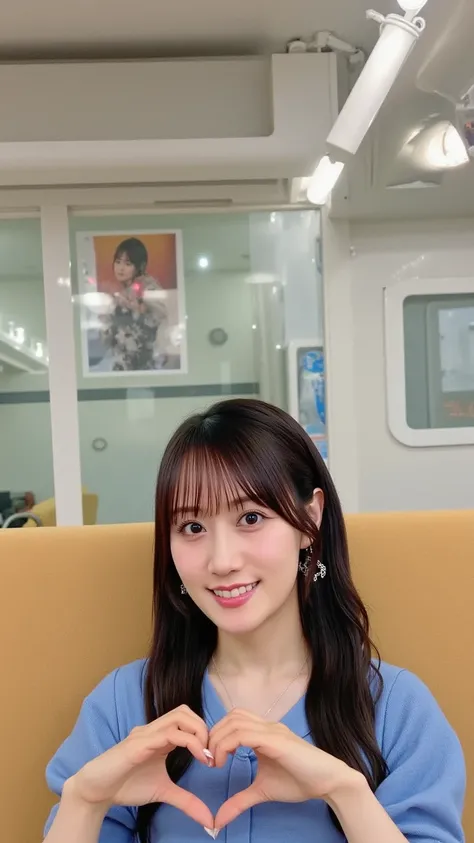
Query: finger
point(225, 740)
point(236, 805)
point(259, 728)
point(145, 745)
point(184, 711)
point(188, 721)
point(232, 740)
point(188, 804)
point(176, 737)
point(237, 718)
point(237, 715)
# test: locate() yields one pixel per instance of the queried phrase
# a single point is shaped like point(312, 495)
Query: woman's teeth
point(236, 592)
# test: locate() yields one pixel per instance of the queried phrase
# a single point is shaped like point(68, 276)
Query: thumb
point(237, 804)
point(188, 804)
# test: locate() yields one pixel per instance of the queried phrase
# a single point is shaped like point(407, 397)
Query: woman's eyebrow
point(235, 503)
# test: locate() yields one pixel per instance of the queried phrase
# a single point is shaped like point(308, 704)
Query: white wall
point(391, 476)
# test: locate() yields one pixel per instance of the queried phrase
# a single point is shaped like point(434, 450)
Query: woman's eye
point(191, 529)
point(251, 519)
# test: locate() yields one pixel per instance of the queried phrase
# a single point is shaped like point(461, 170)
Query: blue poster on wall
point(308, 389)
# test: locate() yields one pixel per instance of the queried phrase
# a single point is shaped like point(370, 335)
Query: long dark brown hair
point(246, 448)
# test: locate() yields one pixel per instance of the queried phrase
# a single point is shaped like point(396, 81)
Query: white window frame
point(58, 307)
point(394, 298)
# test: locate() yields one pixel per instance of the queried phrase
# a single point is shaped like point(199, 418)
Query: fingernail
point(212, 832)
point(209, 758)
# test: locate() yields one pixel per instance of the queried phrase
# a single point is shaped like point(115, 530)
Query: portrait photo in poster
point(307, 390)
point(132, 303)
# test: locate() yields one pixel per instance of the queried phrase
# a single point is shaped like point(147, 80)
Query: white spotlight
point(439, 147)
point(203, 262)
point(450, 150)
point(323, 180)
point(398, 36)
point(412, 5)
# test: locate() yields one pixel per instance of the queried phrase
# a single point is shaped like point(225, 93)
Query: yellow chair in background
point(46, 511)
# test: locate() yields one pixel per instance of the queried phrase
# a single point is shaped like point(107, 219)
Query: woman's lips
point(234, 596)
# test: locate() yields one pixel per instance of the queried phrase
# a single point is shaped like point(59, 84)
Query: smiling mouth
point(235, 592)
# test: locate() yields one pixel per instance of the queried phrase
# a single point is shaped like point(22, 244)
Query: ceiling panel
point(178, 27)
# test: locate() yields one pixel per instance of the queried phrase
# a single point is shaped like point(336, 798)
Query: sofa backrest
point(76, 602)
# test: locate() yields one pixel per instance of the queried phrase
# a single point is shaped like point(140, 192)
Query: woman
point(259, 711)
point(130, 330)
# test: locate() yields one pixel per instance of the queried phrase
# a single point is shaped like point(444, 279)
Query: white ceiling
point(177, 27)
point(104, 28)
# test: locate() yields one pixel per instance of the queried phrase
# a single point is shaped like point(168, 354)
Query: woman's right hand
point(134, 771)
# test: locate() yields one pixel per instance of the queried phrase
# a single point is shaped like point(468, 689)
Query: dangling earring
point(321, 572)
point(183, 589)
point(303, 565)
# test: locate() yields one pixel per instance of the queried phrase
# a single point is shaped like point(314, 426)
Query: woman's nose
point(223, 557)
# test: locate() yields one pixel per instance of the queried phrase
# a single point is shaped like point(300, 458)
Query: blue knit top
point(423, 792)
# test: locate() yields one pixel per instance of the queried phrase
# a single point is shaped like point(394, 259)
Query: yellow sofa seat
point(46, 511)
point(76, 602)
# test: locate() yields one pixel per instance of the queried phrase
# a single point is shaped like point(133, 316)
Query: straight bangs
point(210, 477)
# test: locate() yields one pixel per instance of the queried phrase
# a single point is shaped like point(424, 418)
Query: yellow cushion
point(46, 511)
point(76, 602)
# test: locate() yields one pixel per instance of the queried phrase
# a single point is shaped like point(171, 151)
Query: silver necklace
point(279, 697)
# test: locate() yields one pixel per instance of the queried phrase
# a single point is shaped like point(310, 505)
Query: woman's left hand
point(289, 768)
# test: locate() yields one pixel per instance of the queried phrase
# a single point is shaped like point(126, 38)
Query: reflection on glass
point(238, 290)
point(26, 474)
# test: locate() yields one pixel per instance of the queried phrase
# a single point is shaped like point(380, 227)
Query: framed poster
point(132, 306)
point(307, 390)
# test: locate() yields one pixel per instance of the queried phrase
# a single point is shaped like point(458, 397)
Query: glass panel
point(26, 463)
point(439, 361)
point(176, 312)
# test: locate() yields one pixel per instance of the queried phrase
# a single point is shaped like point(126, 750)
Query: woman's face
point(124, 270)
point(240, 565)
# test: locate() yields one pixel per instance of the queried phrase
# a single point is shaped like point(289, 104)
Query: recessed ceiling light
point(203, 262)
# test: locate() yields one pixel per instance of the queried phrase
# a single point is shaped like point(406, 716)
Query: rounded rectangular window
point(430, 361)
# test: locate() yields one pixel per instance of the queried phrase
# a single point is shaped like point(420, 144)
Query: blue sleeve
point(96, 730)
point(425, 787)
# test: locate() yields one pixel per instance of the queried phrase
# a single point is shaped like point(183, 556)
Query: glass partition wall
point(26, 463)
point(169, 313)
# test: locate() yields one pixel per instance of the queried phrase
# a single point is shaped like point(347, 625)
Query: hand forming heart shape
point(134, 771)
point(289, 768)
